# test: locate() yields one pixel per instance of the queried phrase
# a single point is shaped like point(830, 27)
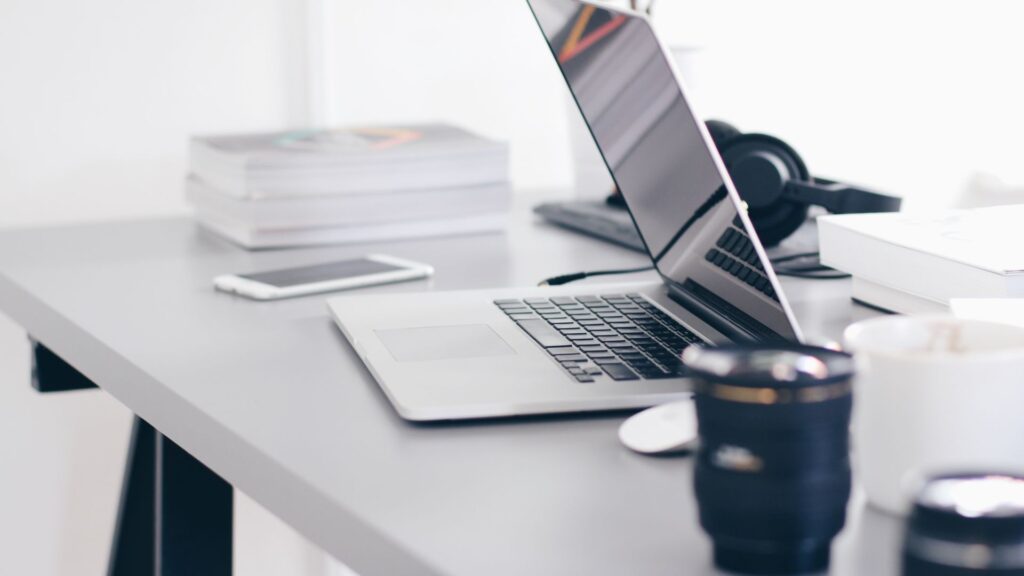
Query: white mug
point(932, 395)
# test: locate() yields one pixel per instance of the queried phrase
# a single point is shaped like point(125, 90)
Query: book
point(249, 237)
point(893, 300)
point(927, 257)
point(348, 209)
point(347, 161)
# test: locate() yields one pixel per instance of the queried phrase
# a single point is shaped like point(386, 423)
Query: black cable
point(566, 278)
point(793, 257)
point(811, 272)
point(807, 268)
point(812, 276)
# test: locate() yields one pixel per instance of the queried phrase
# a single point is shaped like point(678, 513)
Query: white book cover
point(346, 144)
point(987, 238)
point(349, 209)
point(938, 256)
point(249, 237)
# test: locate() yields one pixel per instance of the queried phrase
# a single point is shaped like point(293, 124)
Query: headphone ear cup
point(745, 158)
point(721, 133)
point(776, 222)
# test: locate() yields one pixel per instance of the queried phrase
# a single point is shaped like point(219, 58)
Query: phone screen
point(320, 272)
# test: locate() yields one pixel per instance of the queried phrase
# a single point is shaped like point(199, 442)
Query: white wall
point(96, 101)
point(99, 96)
point(480, 63)
point(910, 97)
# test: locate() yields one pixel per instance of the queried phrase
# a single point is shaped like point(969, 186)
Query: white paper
point(1003, 310)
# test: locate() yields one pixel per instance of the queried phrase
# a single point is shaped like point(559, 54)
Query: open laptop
point(486, 353)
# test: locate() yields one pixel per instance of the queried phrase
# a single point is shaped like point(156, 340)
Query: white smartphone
point(286, 283)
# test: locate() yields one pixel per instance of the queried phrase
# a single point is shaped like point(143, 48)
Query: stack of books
point(350, 185)
point(918, 263)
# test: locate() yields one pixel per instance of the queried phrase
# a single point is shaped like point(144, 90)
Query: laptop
point(511, 352)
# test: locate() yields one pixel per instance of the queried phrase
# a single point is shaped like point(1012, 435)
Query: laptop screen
point(662, 161)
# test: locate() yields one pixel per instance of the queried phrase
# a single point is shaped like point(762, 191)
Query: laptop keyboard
point(622, 336)
point(734, 253)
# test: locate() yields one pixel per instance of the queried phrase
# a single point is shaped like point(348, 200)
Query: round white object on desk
point(665, 429)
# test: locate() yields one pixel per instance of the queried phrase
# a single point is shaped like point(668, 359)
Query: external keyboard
point(622, 336)
point(596, 218)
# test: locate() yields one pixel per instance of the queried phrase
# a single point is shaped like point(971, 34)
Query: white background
point(910, 97)
point(97, 98)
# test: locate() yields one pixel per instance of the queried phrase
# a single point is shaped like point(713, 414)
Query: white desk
point(272, 399)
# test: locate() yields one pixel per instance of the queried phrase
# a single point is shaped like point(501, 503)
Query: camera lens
point(967, 525)
point(772, 476)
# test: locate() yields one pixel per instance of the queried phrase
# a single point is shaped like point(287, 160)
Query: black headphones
point(774, 182)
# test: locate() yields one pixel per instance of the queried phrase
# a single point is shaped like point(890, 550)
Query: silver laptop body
point(489, 353)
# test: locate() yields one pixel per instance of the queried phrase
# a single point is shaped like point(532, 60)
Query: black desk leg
point(134, 538)
point(193, 515)
point(50, 373)
point(175, 516)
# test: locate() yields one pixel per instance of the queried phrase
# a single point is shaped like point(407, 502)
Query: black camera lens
point(772, 475)
point(967, 525)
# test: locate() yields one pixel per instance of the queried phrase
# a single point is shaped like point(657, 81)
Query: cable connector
point(563, 279)
point(566, 278)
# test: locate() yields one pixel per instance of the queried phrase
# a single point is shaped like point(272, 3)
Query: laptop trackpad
point(443, 342)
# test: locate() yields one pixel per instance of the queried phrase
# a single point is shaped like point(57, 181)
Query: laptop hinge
point(722, 316)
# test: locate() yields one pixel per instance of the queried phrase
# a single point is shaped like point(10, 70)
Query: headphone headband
point(772, 178)
point(839, 198)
